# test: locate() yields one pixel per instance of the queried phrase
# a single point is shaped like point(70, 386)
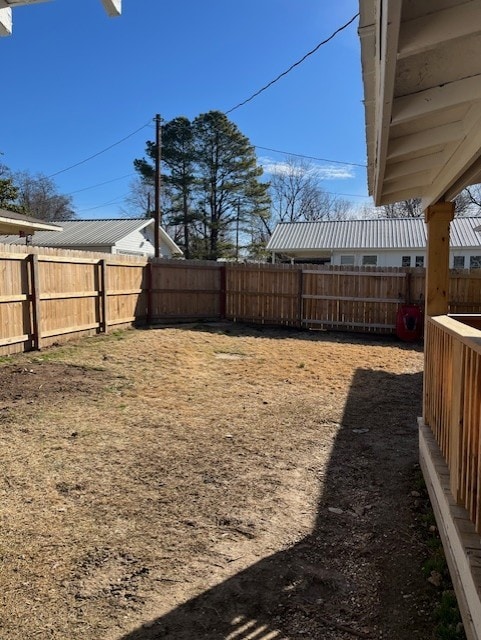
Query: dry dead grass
point(143, 468)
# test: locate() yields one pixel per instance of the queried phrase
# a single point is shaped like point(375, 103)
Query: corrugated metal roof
point(78, 233)
point(392, 233)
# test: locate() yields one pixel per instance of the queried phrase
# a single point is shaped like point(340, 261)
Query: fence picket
point(51, 295)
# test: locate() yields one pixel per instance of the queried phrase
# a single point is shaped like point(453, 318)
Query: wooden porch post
point(437, 217)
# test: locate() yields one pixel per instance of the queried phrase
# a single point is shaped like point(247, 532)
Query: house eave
point(421, 66)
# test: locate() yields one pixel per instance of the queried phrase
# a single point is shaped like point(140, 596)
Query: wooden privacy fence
point(50, 295)
point(309, 296)
point(47, 295)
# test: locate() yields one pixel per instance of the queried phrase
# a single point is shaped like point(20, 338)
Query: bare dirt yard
point(212, 482)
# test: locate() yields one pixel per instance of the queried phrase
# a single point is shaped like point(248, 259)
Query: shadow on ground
point(357, 574)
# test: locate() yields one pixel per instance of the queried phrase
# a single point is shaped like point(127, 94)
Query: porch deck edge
point(461, 543)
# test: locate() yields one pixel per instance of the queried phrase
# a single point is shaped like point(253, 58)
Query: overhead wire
point(240, 104)
point(100, 184)
point(293, 66)
point(104, 204)
point(301, 155)
point(99, 153)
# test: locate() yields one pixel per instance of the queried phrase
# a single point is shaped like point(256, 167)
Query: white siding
point(137, 242)
point(395, 258)
point(142, 243)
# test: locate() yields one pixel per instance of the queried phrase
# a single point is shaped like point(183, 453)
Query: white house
point(134, 236)
point(399, 242)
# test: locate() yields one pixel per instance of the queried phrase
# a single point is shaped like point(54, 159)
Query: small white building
point(134, 236)
point(399, 242)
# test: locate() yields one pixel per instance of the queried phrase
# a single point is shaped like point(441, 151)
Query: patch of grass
point(54, 354)
point(446, 615)
point(449, 625)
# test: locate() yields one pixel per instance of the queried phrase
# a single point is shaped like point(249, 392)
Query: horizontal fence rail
point(452, 404)
point(51, 295)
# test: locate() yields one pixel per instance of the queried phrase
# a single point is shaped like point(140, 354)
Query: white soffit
point(421, 62)
point(113, 7)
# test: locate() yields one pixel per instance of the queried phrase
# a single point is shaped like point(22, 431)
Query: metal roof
point(392, 233)
point(86, 232)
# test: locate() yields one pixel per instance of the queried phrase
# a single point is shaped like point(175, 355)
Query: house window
point(406, 261)
point(347, 260)
point(369, 261)
point(458, 262)
point(475, 262)
point(419, 261)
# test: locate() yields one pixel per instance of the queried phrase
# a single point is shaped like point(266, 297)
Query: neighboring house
point(21, 225)
point(120, 236)
point(390, 242)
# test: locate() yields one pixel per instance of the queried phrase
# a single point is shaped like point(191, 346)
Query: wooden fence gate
point(354, 299)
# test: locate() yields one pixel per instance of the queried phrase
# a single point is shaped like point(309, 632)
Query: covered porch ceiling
point(421, 62)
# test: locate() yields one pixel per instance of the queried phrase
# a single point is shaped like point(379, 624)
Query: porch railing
point(452, 403)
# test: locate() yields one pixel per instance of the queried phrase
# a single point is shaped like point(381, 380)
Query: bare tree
point(297, 195)
point(140, 201)
point(472, 198)
point(37, 196)
point(465, 204)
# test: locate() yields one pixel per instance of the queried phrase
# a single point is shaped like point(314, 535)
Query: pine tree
point(212, 178)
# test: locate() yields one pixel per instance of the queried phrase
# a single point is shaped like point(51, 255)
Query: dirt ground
point(212, 482)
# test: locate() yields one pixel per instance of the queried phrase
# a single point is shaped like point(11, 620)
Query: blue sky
point(75, 81)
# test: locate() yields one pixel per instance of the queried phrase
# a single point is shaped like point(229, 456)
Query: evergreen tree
point(211, 176)
point(229, 177)
point(8, 191)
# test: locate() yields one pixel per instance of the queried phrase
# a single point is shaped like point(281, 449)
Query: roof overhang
point(421, 62)
point(11, 223)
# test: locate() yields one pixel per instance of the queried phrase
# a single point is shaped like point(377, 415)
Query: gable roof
point(392, 233)
point(94, 233)
point(91, 232)
point(11, 222)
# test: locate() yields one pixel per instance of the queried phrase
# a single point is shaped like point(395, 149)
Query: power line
point(296, 64)
point(240, 104)
point(300, 155)
point(104, 204)
point(95, 155)
point(100, 184)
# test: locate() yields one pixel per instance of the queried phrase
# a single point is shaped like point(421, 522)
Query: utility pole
point(157, 211)
point(237, 221)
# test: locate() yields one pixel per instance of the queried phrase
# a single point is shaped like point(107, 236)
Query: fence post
point(36, 313)
point(103, 296)
point(300, 294)
point(456, 421)
point(150, 293)
point(223, 292)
